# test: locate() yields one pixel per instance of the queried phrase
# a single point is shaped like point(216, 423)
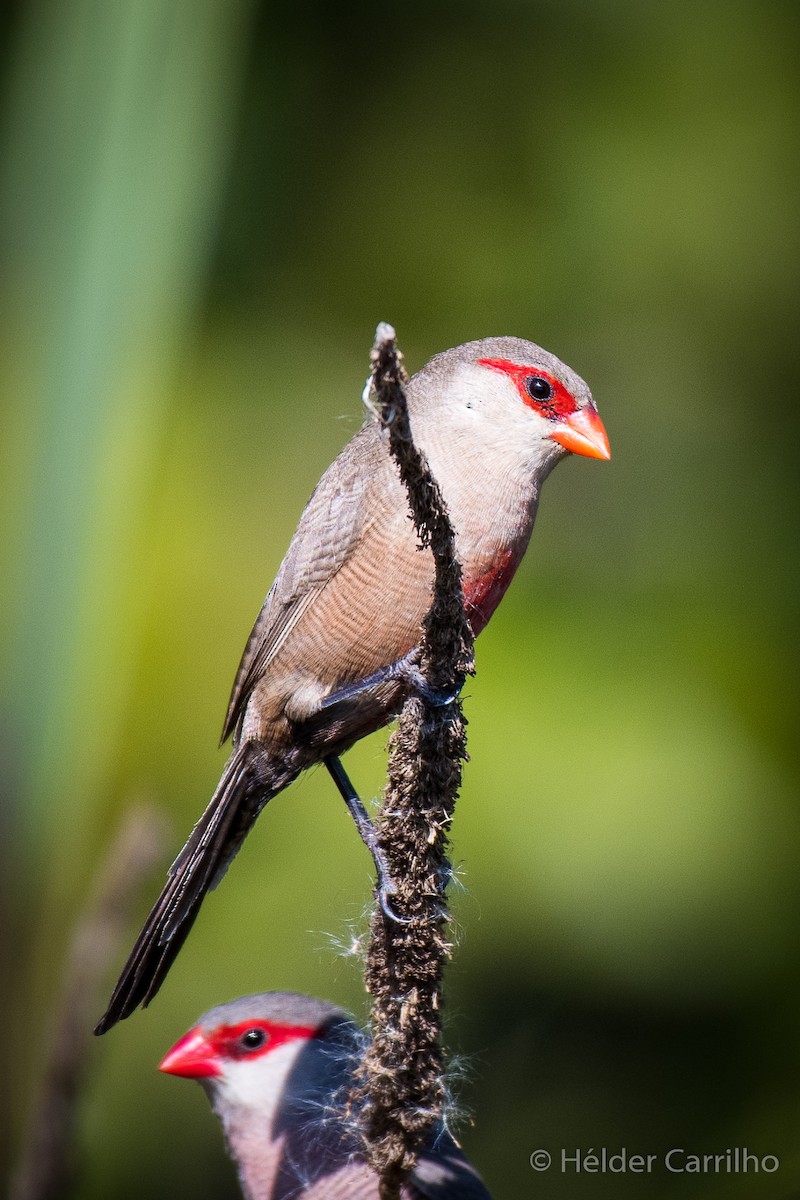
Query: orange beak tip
point(582, 432)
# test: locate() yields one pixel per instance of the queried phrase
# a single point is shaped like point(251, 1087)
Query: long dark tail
point(248, 782)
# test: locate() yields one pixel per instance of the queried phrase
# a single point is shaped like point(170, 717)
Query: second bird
point(332, 654)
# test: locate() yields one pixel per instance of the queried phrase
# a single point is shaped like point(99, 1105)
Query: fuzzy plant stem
point(400, 1091)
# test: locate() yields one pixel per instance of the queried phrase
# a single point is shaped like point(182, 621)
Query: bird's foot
point(409, 670)
point(386, 889)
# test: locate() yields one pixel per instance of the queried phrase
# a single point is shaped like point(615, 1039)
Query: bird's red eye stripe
point(242, 1040)
point(560, 402)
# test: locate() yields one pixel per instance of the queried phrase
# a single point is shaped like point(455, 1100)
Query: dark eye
point(252, 1039)
point(539, 389)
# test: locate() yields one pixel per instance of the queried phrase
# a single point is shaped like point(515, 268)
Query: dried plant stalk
point(400, 1092)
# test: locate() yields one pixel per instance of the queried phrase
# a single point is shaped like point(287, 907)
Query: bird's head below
point(206, 1053)
point(245, 1050)
point(521, 394)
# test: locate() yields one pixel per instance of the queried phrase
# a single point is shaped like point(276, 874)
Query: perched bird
point(277, 1069)
point(332, 654)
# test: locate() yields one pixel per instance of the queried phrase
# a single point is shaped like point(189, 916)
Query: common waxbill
point(332, 654)
point(277, 1069)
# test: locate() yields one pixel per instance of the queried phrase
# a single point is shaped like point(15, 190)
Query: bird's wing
point(443, 1172)
point(343, 508)
point(445, 1178)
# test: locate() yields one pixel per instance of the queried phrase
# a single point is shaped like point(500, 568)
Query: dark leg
point(366, 830)
point(407, 669)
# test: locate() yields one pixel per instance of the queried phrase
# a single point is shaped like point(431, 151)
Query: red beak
point(583, 432)
point(193, 1057)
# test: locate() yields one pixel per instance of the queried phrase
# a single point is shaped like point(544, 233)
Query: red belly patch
point(483, 593)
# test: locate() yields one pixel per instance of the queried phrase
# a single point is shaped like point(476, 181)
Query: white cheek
point(515, 432)
point(258, 1083)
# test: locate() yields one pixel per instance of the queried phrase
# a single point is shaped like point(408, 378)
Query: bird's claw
point(385, 890)
point(408, 669)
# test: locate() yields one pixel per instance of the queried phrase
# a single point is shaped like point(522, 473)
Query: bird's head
point(516, 397)
point(245, 1052)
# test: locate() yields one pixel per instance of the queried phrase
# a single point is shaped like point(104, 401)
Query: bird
point(277, 1068)
point(333, 654)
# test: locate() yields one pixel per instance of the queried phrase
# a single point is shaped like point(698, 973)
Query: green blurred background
point(205, 208)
